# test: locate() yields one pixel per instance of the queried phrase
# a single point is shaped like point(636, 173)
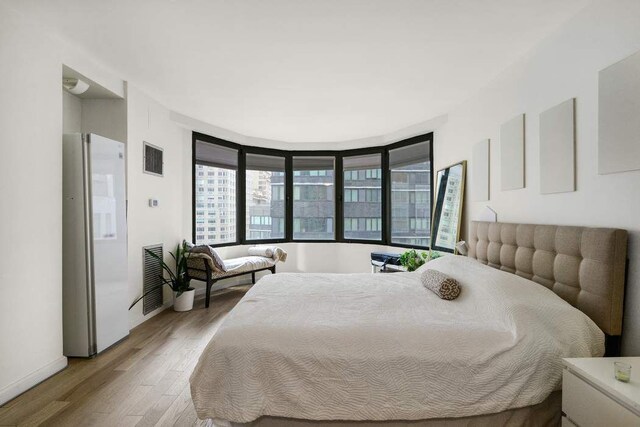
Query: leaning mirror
point(447, 211)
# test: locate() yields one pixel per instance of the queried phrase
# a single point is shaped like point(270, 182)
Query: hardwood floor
point(142, 381)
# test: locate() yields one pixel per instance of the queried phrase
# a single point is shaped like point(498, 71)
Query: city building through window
point(313, 198)
point(216, 193)
point(362, 180)
point(264, 201)
point(410, 171)
point(245, 194)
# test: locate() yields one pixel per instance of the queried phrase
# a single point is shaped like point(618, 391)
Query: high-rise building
point(314, 202)
point(215, 204)
point(314, 206)
point(362, 197)
point(410, 202)
point(260, 206)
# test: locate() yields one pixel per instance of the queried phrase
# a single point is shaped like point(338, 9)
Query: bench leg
point(208, 295)
point(253, 277)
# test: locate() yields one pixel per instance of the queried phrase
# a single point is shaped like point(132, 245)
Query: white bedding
point(382, 347)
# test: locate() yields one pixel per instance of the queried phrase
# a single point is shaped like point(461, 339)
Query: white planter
point(185, 301)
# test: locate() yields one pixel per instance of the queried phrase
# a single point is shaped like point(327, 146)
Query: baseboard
point(18, 387)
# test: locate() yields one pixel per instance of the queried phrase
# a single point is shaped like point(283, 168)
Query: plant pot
point(184, 302)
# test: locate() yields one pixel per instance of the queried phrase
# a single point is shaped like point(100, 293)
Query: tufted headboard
point(584, 266)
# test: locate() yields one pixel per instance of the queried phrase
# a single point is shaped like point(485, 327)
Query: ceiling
point(303, 70)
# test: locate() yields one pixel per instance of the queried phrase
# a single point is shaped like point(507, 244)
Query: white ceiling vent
point(153, 163)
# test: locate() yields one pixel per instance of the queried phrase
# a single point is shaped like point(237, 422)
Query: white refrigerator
point(95, 294)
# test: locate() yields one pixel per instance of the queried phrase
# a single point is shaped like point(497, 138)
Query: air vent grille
point(153, 159)
point(152, 278)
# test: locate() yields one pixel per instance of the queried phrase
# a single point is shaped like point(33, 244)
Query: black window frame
point(265, 152)
point(288, 156)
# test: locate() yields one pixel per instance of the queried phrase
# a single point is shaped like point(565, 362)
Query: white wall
point(71, 113)
point(105, 117)
point(149, 121)
point(565, 65)
point(30, 207)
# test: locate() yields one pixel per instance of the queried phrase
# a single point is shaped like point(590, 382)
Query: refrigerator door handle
point(88, 232)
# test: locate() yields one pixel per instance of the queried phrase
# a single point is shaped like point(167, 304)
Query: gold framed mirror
point(447, 207)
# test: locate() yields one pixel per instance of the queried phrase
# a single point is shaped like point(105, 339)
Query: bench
point(204, 264)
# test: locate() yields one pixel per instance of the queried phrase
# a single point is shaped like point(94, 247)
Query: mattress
point(382, 347)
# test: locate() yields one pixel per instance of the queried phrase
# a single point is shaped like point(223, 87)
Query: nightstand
point(591, 396)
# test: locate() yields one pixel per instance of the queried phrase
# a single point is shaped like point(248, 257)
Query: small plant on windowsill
point(178, 280)
point(413, 259)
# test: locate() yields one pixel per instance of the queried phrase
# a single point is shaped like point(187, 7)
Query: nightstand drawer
point(586, 406)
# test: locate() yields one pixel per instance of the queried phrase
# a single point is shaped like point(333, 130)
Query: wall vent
point(153, 163)
point(151, 277)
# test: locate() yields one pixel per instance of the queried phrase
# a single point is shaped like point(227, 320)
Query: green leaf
point(177, 280)
point(155, 288)
point(411, 259)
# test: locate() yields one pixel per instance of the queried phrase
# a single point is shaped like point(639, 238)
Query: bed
point(360, 349)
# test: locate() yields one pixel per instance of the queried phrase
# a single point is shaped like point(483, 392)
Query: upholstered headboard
point(584, 266)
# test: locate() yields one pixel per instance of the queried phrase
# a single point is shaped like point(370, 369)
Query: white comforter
point(382, 347)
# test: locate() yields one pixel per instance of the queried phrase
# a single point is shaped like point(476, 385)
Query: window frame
point(386, 185)
point(383, 151)
point(239, 175)
point(338, 219)
point(336, 195)
point(244, 150)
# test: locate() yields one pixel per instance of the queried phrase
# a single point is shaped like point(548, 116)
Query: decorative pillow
point(279, 254)
point(274, 252)
point(265, 251)
point(218, 263)
point(440, 284)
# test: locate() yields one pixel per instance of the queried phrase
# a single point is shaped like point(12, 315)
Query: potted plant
point(178, 280)
point(413, 259)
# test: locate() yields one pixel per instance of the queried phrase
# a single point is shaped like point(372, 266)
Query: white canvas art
point(480, 171)
point(512, 154)
point(619, 116)
point(557, 149)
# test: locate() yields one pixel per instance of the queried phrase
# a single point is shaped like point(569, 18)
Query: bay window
point(249, 195)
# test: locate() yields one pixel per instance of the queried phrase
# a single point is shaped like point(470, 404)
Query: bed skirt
point(546, 413)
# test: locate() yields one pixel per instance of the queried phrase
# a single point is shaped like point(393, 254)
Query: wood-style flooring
point(142, 381)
